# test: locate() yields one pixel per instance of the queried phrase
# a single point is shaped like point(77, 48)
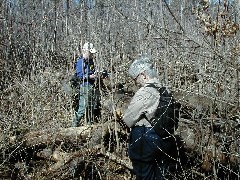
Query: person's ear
point(144, 75)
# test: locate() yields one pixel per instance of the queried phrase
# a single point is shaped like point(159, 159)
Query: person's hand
point(93, 76)
point(119, 113)
point(104, 74)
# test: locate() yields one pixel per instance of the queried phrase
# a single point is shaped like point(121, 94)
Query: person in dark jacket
point(147, 151)
point(85, 72)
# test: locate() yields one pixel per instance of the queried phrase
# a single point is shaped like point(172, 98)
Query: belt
point(142, 126)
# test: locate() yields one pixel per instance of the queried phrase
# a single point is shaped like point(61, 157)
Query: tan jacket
point(145, 101)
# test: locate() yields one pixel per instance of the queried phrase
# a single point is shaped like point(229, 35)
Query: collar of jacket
point(154, 81)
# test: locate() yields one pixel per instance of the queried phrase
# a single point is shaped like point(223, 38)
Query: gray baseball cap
point(139, 65)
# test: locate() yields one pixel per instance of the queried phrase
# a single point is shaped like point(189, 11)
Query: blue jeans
point(86, 105)
point(146, 153)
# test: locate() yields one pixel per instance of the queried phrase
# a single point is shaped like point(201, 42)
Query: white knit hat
point(89, 47)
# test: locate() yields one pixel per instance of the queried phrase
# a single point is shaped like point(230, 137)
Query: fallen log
point(59, 135)
point(204, 140)
point(67, 163)
point(203, 102)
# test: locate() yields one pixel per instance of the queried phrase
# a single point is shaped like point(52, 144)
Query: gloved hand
point(104, 74)
point(119, 113)
point(93, 76)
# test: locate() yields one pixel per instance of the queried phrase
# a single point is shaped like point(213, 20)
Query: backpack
point(165, 120)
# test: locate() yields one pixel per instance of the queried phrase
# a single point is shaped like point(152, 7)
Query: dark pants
point(147, 153)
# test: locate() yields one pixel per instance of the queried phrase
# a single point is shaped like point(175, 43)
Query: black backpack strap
point(162, 90)
point(152, 85)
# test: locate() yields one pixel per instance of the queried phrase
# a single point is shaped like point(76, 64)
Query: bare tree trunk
point(54, 45)
point(67, 16)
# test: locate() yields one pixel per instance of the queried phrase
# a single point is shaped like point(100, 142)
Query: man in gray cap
point(147, 150)
point(85, 72)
